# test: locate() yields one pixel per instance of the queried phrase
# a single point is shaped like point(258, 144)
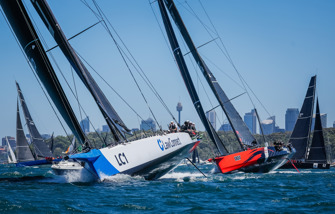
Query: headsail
point(41, 148)
point(23, 151)
point(240, 129)
point(11, 155)
point(71, 147)
point(54, 28)
point(31, 45)
point(301, 132)
point(188, 81)
point(317, 151)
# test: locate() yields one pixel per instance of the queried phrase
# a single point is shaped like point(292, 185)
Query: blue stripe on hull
point(97, 162)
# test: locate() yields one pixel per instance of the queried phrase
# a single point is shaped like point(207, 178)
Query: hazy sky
point(276, 46)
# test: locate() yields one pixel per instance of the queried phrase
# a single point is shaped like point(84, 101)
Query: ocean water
point(38, 190)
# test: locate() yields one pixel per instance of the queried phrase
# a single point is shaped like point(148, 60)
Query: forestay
point(29, 41)
point(112, 118)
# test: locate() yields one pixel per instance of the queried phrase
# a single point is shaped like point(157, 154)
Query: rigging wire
point(100, 16)
point(137, 67)
point(226, 53)
point(33, 71)
point(196, 68)
point(127, 65)
point(110, 86)
point(59, 69)
point(243, 81)
point(75, 88)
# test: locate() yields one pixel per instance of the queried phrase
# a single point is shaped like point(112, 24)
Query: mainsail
point(317, 150)
point(23, 151)
point(41, 148)
point(188, 81)
point(31, 45)
point(240, 129)
point(113, 120)
point(301, 132)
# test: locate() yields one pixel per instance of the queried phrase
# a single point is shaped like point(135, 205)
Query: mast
point(23, 151)
point(113, 120)
point(41, 148)
point(240, 129)
point(317, 150)
point(29, 41)
point(301, 132)
point(188, 81)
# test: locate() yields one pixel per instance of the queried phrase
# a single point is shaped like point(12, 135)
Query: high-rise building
point(211, 116)
point(250, 120)
point(269, 125)
point(85, 125)
point(291, 117)
point(179, 109)
point(11, 141)
point(148, 124)
point(105, 128)
point(45, 136)
point(323, 120)
point(226, 127)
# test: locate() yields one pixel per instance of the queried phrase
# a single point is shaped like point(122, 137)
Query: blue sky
point(276, 46)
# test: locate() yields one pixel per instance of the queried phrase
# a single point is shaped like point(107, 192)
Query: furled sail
point(317, 150)
point(41, 148)
point(54, 28)
point(301, 132)
point(23, 152)
point(188, 81)
point(240, 129)
point(31, 45)
point(11, 155)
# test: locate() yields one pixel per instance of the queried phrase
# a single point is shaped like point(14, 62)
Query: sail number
point(121, 159)
point(237, 158)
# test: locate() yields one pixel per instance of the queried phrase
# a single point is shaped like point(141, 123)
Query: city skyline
point(274, 47)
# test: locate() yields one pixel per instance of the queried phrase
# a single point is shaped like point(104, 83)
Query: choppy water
point(38, 190)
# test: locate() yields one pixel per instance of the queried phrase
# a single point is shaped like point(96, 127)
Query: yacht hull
point(259, 160)
point(151, 157)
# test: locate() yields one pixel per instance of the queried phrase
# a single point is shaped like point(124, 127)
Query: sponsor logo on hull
point(168, 144)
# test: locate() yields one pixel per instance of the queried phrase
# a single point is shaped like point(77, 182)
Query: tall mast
point(188, 80)
point(29, 41)
point(240, 129)
point(113, 120)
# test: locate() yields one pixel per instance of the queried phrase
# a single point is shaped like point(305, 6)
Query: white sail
point(11, 155)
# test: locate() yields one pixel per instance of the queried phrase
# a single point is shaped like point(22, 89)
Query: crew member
point(172, 127)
